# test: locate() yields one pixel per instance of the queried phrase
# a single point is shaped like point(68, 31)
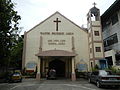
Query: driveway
point(32, 84)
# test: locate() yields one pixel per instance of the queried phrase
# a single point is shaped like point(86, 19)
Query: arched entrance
point(59, 66)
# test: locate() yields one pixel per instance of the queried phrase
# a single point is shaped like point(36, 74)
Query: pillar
point(113, 57)
point(73, 76)
point(47, 65)
point(38, 69)
point(66, 69)
point(70, 66)
point(43, 68)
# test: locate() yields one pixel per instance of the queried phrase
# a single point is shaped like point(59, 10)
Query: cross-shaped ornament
point(56, 21)
point(94, 4)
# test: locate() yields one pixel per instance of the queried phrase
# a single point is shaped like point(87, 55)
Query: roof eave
point(113, 8)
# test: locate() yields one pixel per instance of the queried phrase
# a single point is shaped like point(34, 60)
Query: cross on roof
point(94, 4)
point(56, 21)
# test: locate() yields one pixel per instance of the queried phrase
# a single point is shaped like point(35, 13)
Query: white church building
point(59, 43)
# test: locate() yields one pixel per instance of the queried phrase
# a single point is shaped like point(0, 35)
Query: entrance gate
point(59, 66)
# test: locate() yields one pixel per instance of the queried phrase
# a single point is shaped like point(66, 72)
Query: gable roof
point(84, 29)
point(111, 10)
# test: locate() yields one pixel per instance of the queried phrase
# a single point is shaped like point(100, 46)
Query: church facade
point(59, 43)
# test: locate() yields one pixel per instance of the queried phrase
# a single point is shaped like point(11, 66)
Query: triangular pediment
point(58, 16)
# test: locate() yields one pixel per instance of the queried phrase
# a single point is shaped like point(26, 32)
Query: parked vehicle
point(104, 78)
point(14, 77)
point(51, 74)
point(87, 75)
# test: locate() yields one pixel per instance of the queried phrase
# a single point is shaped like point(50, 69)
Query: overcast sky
point(33, 12)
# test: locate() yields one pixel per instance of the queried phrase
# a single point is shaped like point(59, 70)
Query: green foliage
point(8, 31)
point(95, 68)
point(16, 53)
point(114, 70)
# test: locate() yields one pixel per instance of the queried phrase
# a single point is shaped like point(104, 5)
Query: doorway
point(103, 63)
point(59, 66)
point(109, 61)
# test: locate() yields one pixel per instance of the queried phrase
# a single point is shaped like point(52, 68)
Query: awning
point(56, 53)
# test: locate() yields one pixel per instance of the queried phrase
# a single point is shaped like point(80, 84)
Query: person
point(51, 74)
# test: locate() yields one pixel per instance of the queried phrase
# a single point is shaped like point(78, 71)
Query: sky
point(33, 12)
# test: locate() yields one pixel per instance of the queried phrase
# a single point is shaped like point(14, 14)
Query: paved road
point(32, 84)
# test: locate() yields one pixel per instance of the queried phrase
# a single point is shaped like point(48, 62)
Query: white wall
point(80, 39)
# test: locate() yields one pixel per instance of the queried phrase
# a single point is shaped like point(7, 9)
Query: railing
point(108, 48)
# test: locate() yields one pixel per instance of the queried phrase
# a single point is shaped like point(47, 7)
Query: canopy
point(56, 53)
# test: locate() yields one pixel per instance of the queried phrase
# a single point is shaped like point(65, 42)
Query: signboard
point(56, 41)
point(82, 67)
point(31, 65)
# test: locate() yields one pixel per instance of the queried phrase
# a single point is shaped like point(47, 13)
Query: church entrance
point(59, 66)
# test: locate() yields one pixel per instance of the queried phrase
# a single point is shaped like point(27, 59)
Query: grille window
point(96, 33)
point(98, 49)
point(114, 18)
point(111, 40)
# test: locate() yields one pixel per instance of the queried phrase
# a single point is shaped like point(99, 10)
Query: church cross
point(57, 21)
point(94, 4)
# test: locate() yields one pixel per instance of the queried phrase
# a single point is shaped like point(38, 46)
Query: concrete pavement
point(63, 84)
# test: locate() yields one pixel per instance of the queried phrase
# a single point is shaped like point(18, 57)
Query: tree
point(16, 54)
point(8, 30)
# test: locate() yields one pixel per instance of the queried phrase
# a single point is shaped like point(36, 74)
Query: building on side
point(110, 20)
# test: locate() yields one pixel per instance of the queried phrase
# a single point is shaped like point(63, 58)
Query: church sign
point(56, 33)
point(56, 41)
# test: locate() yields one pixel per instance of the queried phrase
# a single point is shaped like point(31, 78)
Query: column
point(113, 57)
point(47, 62)
point(66, 69)
point(73, 75)
point(43, 68)
point(70, 66)
point(46, 67)
point(38, 69)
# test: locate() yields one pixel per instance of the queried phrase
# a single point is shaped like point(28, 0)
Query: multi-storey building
point(111, 33)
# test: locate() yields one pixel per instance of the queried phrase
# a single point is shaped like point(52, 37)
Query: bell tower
point(96, 50)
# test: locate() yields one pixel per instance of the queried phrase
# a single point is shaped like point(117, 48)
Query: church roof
point(84, 29)
point(94, 10)
point(56, 53)
point(111, 10)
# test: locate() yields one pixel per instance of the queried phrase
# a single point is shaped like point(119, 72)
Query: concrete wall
point(112, 29)
point(65, 26)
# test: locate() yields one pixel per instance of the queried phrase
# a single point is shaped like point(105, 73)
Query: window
point(98, 49)
point(111, 40)
point(114, 18)
point(110, 20)
point(92, 65)
point(96, 33)
point(90, 50)
point(102, 72)
point(106, 24)
point(105, 43)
